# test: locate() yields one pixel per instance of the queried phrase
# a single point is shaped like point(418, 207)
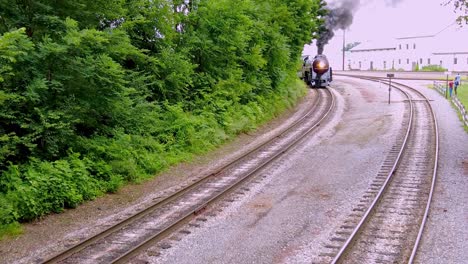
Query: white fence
point(461, 108)
point(441, 87)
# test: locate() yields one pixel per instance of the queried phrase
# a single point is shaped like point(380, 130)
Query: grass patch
point(10, 230)
point(462, 96)
point(462, 93)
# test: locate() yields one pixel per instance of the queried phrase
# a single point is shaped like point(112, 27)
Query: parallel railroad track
point(396, 78)
point(389, 231)
point(130, 237)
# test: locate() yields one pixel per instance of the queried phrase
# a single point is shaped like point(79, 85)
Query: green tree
point(461, 7)
point(58, 90)
point(96, 93)
point(41, 17)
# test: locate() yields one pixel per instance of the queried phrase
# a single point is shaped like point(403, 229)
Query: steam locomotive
point(317, 72)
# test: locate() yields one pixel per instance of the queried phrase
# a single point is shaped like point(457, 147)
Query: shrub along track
point(122, 241)
point(398, 201)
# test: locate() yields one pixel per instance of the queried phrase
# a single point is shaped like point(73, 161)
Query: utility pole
point(344, 37)
point(447, 83)
point(390, 76)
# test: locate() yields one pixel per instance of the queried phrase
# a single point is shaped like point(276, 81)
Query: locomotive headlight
point(321, 65)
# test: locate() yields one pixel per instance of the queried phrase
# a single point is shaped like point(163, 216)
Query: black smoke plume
point(338, 17)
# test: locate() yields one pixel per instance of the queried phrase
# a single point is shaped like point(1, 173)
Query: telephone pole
point(344, 36)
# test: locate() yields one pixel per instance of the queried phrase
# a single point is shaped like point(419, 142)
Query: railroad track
point(397, 202)
point(407, 78)
point(128, 238)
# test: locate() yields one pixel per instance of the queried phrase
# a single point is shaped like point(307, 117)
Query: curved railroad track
point(126, 239)
point(398, 203)
point(405, 78)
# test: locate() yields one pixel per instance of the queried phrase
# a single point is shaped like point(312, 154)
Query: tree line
point(96, 93)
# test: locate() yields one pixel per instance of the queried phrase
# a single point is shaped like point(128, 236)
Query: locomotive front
point(317, 72)
point(320, 65)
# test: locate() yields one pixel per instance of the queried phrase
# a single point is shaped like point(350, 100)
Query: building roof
point(451, 41)
point(414, 37)
point(388, 44)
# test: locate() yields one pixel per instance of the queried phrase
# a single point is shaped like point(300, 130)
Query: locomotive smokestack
point(338, 17)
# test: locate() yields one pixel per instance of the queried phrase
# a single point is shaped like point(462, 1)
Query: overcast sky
point(380, 19)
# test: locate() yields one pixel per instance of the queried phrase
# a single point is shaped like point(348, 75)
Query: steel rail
point(146, 243)
point(197, 182)
point(395, 78)
point(382, 189)
point(434, 175)
point(78, 247)
point(434, 178)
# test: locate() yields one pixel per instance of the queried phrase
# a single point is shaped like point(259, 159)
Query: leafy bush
point(98, 94)
point(433, 68)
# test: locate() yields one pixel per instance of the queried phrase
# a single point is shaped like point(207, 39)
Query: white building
point(448, 49)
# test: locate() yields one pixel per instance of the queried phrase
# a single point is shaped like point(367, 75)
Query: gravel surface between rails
point(445, 239)
point(288, 216)
point(57, 231)
point(403, 75)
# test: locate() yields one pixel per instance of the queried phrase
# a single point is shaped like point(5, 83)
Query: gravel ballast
point(445, 239)
point(294, 207)
point(55, 232)
point(291, 214)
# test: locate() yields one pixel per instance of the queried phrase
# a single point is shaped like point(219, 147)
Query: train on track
point(316, 71)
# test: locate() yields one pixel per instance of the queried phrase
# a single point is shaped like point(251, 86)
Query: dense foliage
point(96, 93)
point(433, 68)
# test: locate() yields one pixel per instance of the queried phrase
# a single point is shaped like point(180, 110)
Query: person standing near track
point(450, 88)
point(457, 82)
